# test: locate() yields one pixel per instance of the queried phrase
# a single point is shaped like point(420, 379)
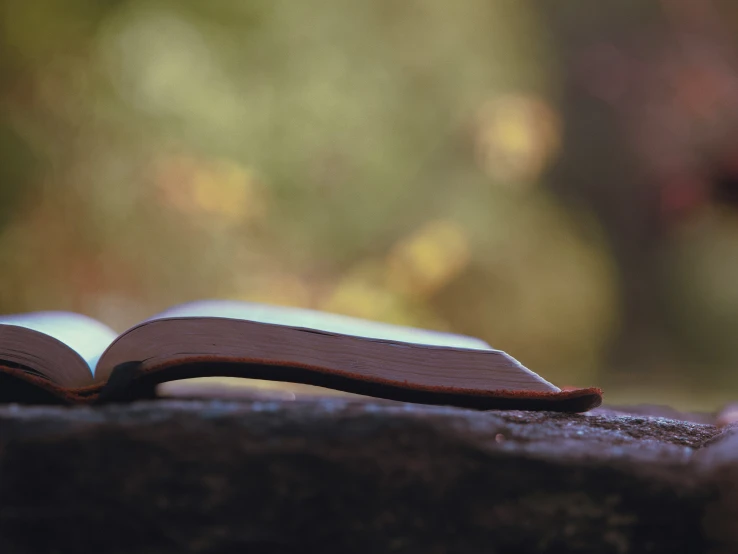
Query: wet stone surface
point(348, 475)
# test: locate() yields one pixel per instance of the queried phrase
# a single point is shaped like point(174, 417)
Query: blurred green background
point(557, 178)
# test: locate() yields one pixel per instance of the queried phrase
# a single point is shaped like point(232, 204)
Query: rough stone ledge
point(345, 475)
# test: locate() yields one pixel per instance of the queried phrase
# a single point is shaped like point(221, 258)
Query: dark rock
point(654, 410)
point(342, 475)
point(718, 461)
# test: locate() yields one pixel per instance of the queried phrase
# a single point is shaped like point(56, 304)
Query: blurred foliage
point(387, 160)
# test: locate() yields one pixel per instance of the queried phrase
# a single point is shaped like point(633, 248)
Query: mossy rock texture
point(338, 475)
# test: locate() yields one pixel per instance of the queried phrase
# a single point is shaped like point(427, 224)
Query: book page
point(87, 336)
point(322, 321)
point(287, 344)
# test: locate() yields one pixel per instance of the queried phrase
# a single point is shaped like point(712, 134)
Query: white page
point(313, 319)
point(87, 336)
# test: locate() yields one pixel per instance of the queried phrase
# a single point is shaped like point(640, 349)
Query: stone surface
point(346, 475)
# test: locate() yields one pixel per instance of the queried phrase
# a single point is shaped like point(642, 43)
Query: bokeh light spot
point(516, 136)
point(429, 258)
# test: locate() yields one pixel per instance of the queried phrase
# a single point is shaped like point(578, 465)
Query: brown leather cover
point(134, 383)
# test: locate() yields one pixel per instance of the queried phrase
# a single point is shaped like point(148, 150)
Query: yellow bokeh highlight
point(516, 136)
point(276, 288)
point(221, 189)
point(425, 261)
point(359, 299)
point(360, 293)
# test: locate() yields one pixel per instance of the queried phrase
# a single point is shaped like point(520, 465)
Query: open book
point(60, 357)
